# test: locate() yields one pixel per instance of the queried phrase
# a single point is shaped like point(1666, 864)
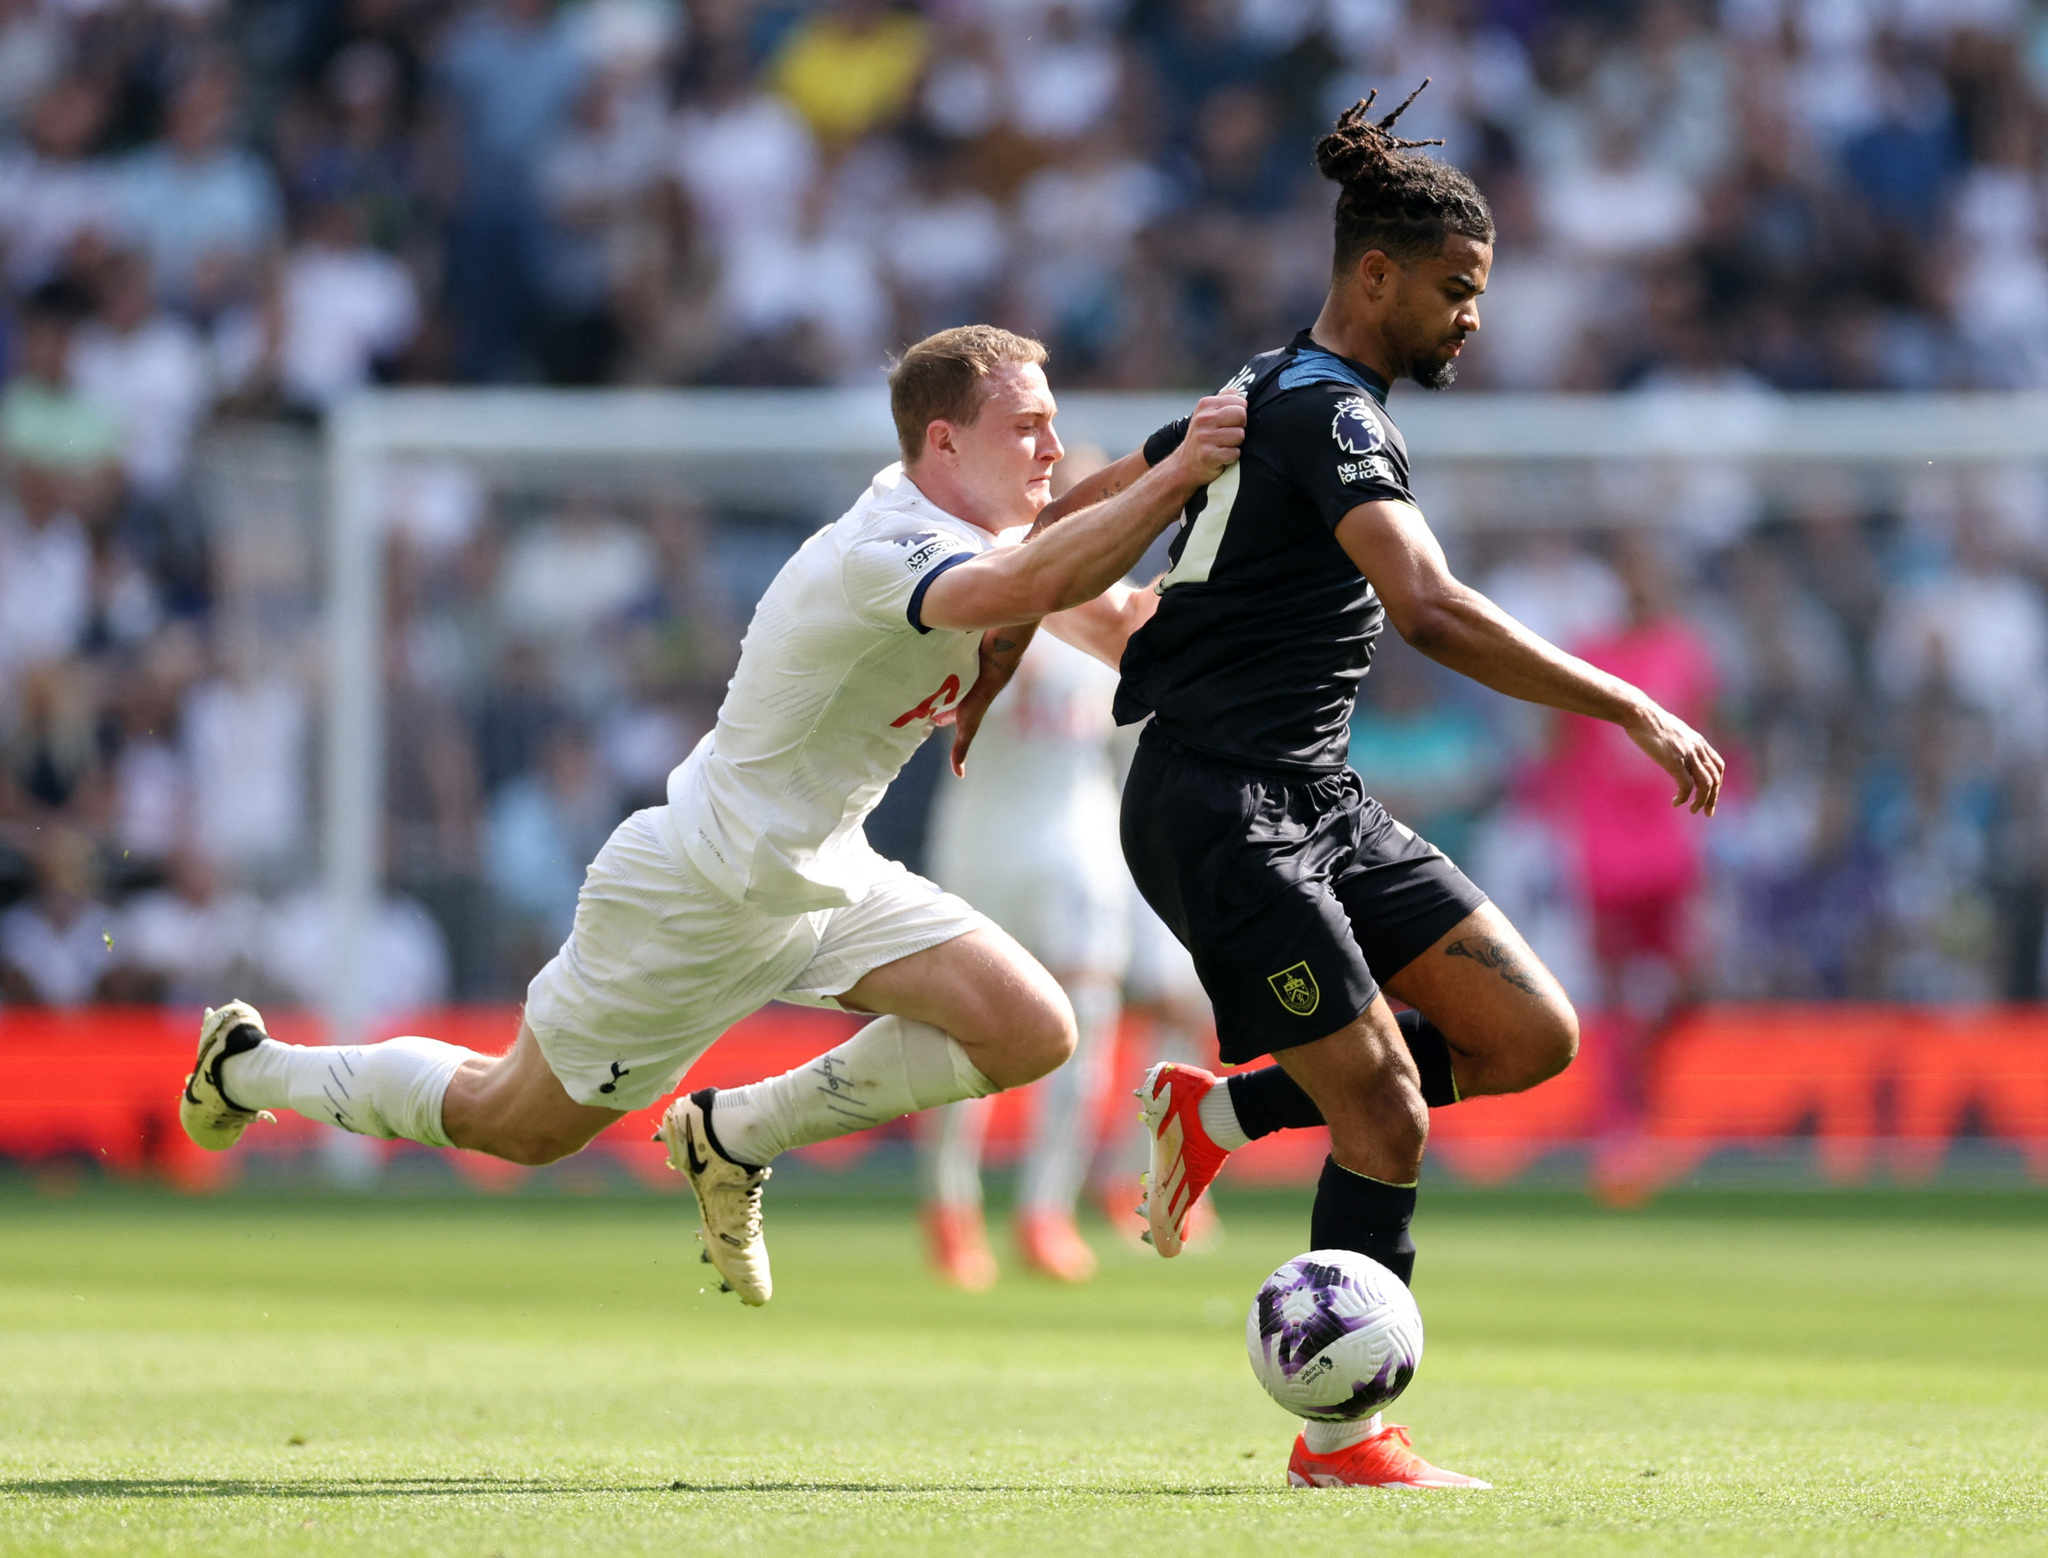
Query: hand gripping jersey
point(839, 681)
point(1265, 625)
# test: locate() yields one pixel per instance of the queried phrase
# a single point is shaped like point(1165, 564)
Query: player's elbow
point(1428, 623)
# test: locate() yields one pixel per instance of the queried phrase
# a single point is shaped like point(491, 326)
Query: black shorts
point(1296, 896)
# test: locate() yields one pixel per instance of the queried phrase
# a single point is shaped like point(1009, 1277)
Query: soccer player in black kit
point(1300, 898)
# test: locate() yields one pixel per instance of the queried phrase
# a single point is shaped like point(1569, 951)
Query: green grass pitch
point(544, 1375)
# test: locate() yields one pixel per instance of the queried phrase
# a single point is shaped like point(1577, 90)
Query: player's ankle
point(705, 1098)
point(1218, 1115)
point(1330, 1438)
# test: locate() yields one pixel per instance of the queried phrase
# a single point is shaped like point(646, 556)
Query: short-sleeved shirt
point(839, 682)
point(1265, 625)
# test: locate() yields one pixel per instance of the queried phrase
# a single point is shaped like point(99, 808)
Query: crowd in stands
point(223, 212)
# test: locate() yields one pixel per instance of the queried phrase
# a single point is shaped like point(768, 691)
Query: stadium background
point(217, 223)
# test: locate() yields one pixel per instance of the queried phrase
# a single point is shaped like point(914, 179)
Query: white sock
point(389, 1089)
point(1329, 1438)
point(1219, 1118)
point(949, 1152)
point(1063, 1132)
point(891, 1068)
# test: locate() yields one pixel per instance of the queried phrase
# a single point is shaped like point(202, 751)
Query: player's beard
point(1436, 375)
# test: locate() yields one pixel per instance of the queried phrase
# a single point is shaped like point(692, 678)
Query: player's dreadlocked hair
point(1395, 201)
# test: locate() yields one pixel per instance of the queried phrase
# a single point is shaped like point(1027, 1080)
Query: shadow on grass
point(459, 1487)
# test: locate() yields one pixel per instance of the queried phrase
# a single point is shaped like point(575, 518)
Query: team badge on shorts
point(1297, 990)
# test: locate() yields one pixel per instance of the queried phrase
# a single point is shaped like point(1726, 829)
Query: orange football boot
point(956, 1244)
point(1052, 1246)
point(1183, 1157)
point(1383, 1461)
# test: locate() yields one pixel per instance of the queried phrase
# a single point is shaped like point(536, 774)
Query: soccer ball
point(1334, 1335)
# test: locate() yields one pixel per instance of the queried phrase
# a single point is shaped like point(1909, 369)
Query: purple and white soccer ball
point(1334, 1335)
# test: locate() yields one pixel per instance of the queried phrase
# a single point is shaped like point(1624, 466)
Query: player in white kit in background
point(1029, 836)
point(755, 882)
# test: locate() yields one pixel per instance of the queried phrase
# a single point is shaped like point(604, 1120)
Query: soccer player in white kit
point(1029, 836)
point(755, 882)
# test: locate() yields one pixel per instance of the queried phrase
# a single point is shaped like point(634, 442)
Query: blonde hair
point(939, 379)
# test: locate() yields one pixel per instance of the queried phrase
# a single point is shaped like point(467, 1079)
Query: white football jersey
point(838, 683)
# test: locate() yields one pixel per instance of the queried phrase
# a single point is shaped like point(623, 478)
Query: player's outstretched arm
point(1002, 648)
point(1088, 552)
point(1091, 490)
point(1456, 626)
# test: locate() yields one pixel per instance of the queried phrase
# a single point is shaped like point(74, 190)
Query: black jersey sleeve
point(1339, 446)
point(1165, 441)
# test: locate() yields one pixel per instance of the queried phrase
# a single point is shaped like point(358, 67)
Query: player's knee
point(1050, 1038)
point(1553, 1044)
point(1386, 1123)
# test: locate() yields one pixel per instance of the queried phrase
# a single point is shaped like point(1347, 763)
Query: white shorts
point(660, 963)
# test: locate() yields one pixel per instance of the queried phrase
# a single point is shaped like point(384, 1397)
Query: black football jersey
point(1265, 625)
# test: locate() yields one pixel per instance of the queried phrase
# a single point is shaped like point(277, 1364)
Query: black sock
point(703, 1098)
point(1366, 1215)
point(1432, 1052)
point(1269, 1100)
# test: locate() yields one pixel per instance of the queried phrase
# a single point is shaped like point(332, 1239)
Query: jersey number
point(947, 695)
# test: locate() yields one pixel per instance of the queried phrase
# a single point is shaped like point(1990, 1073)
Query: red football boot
point(1184, 1159)
point(1052, 1246)
point(956, 1244)
point(1383, 1461)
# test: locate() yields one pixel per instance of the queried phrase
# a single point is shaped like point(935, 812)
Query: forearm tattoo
point(1045, 522)
point(1492, 952)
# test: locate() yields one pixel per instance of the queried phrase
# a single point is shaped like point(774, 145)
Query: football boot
point(212, 1119)
point(728, 1199)
point(1382, 1461)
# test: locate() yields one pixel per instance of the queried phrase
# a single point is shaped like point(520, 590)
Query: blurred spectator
point(513, 73)
point(352, 143)
point(54, 949)
point(1063, 78)
point(851, 67)
point(1559, 591)
point(1980, 628)
point(35, 49)
point(71, 444)
point(150, 369)
point(345, 310)
point(595, 182)
point(544, 829)
point(743, 156)
point(185, 942)
point(569, 574)
point(245, 735)
point(944, 248)
point(56, 197)
point(406, 964)
point(804, 306)
point(151, 805)
point(1434, 765)
point(204, 209)
point(46, 581)
point(520, 708)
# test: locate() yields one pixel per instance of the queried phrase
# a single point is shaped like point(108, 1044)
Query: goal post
point(1496, 461)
